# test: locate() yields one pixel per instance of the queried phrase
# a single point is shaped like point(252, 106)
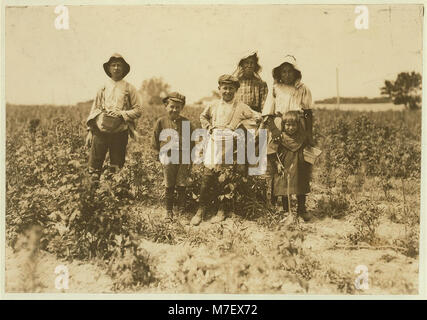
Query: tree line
point(406, 89)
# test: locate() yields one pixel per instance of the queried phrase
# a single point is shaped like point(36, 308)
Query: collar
point(114, 83)
point(298, 84)
point(293, 142)
point(222, 102)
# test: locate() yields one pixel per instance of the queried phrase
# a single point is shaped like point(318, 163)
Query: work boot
point(301, 210)
point(220, 216)
point(198, 217)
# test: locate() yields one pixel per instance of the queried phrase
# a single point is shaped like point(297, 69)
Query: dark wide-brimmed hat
point(116, 57)
point(238, 73)
point(287, 60)
point(174, 96)
point(252, 55)
point(229, 79)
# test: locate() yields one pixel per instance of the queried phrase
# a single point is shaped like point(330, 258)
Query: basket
point(110, 123)
point(311, 154)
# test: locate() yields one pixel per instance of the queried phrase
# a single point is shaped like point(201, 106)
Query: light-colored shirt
point(227, 115)
point(285, 98)
point(114, 94)
point(223, 113)
point(119, 96)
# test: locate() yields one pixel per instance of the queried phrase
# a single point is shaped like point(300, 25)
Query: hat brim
point(276, 70)
point(173, 99)
point(126, 69)
point(254, 56)
point(234, 83)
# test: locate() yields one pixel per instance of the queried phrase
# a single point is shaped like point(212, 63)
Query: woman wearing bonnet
point(288, 94)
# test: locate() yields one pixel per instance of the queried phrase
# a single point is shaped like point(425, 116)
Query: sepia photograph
point(242, 149)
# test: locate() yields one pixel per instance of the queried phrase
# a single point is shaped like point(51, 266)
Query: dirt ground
point(236, 256)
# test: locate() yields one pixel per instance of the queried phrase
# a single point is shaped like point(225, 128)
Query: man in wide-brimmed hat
point(253, 90)
point(113, 117)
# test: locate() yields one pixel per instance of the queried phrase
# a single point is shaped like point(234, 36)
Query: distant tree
point(154, 90)
point(214, 96)
point(354, 100)
point(405, 90)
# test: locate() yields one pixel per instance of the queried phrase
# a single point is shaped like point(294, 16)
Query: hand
point(113, 113)
point(89, 138)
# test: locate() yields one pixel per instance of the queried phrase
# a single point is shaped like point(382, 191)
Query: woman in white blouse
point(289, 93)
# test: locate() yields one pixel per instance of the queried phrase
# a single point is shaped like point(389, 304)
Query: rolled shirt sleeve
point(135, 110)
point(206, 118)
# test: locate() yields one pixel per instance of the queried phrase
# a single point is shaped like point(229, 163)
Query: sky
point(190, 46)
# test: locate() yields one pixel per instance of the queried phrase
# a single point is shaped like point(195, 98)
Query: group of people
point(286, 114)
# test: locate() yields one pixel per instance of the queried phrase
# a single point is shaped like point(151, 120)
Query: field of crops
point(365, 200)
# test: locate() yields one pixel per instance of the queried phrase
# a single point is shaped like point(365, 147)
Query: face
point(288, 74)
point(173, 109)
point(248, 66)
point(227, 91)
point(116, 70)
point(290, 127)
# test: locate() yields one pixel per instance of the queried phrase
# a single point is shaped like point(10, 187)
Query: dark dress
point(291, 165)
point(299, 172)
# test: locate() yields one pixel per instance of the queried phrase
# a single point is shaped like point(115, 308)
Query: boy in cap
point(112, 117)
point(175, 174)
point(228, 113)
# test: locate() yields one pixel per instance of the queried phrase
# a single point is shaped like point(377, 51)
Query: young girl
point(253, 90)
point(293, 173)
point(288, 93)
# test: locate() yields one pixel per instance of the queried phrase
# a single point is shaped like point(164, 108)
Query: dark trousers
point(113, 143)
point(210, 189)
point(207, 189)
point(300, 200)
point(170, 199)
